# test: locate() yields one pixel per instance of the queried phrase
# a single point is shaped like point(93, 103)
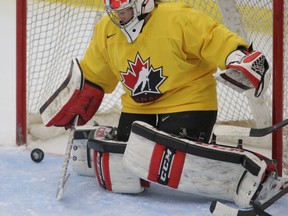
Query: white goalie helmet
point(129, 15)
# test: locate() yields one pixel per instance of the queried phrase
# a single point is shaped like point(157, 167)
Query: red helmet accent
point(116, 4)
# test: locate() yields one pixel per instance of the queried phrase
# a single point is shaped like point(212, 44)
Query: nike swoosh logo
point(108, 36)
point(164, 118)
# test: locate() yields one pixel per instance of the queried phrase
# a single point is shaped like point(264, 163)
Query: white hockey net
point(59, 30)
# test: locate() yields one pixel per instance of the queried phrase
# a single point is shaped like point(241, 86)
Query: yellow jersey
point(169, 67)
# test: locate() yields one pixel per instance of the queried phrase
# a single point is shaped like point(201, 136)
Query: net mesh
point(59, 30)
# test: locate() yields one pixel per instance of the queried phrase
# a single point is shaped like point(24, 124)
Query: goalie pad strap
point(106, 145)
point(215, 152)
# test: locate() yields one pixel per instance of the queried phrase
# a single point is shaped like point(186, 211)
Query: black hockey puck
point(37, 155)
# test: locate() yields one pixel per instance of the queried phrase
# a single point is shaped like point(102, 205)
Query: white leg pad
point(113, 176)
point(191, 173)
point(107, 159)
point(82, 163)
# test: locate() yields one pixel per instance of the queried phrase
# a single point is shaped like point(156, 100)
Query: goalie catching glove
point(245, 71)
point(76, 96)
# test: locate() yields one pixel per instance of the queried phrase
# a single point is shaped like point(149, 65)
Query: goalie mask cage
point(52, 32)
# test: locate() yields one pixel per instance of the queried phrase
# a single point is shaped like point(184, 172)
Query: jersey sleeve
point(209, 40)
point(95, 64)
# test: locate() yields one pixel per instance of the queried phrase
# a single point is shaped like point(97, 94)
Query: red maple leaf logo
point(143, 80)
point(130, 78)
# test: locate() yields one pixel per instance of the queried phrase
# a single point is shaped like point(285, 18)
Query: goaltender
point(166, 55)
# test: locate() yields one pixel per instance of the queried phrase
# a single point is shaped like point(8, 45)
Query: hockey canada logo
point(143, 80)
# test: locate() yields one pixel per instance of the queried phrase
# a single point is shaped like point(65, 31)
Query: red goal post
point(52, 32)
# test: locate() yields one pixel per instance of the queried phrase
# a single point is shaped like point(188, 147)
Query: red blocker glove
point(75, 96)
point(84, 102)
